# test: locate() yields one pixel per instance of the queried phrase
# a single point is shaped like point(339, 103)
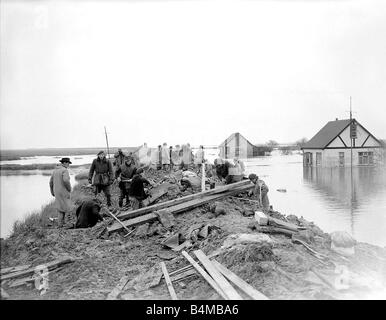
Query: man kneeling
point(87, 214)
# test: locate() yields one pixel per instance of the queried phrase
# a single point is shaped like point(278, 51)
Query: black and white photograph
point(193, 150)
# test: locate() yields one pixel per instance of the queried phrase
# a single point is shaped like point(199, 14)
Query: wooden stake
point(203, 177)
point(168, 281)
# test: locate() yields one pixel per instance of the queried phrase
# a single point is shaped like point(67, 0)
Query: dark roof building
point(331, 146)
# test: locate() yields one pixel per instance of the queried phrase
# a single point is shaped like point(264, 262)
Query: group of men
point(127, 171)
point(129, 177)
point(167, 158)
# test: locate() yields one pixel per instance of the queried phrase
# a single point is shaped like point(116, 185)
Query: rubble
point(279, 259)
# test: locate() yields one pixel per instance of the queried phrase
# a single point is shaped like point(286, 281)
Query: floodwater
point(22, 195)
point(332, 198)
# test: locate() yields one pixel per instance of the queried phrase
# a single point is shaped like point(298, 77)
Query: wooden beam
point(50, 266)
point(136, 221)
point(183, 275)
point(217, 276)
point(282, 224)
point(205, 275)
point(248, 289)
point(167, 204)
point(168, 281)
point(176, 209)
point(14, 269)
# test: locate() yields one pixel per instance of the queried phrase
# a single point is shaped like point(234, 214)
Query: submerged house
point(237, 145)
point(331, 146)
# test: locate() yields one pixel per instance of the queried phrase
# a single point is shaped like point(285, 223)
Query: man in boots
point(103, 177)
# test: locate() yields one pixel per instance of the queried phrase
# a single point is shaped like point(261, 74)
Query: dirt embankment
point(272, 263)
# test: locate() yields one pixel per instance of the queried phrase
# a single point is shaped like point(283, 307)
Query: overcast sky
point(187, 71)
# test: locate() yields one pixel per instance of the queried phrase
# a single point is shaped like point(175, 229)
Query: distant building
point(238, 146)
point(330, 147)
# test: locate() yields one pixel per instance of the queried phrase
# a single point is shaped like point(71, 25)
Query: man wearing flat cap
point(60, 187)
point(101, 175)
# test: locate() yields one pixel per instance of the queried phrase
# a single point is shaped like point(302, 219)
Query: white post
point(203, 177)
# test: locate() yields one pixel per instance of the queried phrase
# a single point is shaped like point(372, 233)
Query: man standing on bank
point(60, 187)
point(103, 177)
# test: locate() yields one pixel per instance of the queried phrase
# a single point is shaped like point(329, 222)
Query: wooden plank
point(181, 270)
point(14, 269)
point(183, 275)
point(248, 289)
point(282, 224)
point(176, 209)
point(23, 281)
point(50, 266)
point(205, 275)
point(167, 204)
point(118, 288)
point(168, 281)
point(217, 276)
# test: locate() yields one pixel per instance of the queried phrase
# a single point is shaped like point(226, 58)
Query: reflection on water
point(358, 194)
point(324, 195)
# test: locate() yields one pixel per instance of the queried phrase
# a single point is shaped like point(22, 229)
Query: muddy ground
point(271, 263)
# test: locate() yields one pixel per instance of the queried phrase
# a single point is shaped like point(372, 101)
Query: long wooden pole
point(107, 142)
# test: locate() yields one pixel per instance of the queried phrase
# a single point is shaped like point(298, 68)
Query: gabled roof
point(328, 133)
point(232, 136)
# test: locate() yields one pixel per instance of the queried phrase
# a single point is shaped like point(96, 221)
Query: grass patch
point(36, 222)
point(83, 175)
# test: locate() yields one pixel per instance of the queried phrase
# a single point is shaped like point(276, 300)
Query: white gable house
point(331, 146)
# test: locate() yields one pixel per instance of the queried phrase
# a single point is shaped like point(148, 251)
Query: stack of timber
point(217, 276)
point(145, 215)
